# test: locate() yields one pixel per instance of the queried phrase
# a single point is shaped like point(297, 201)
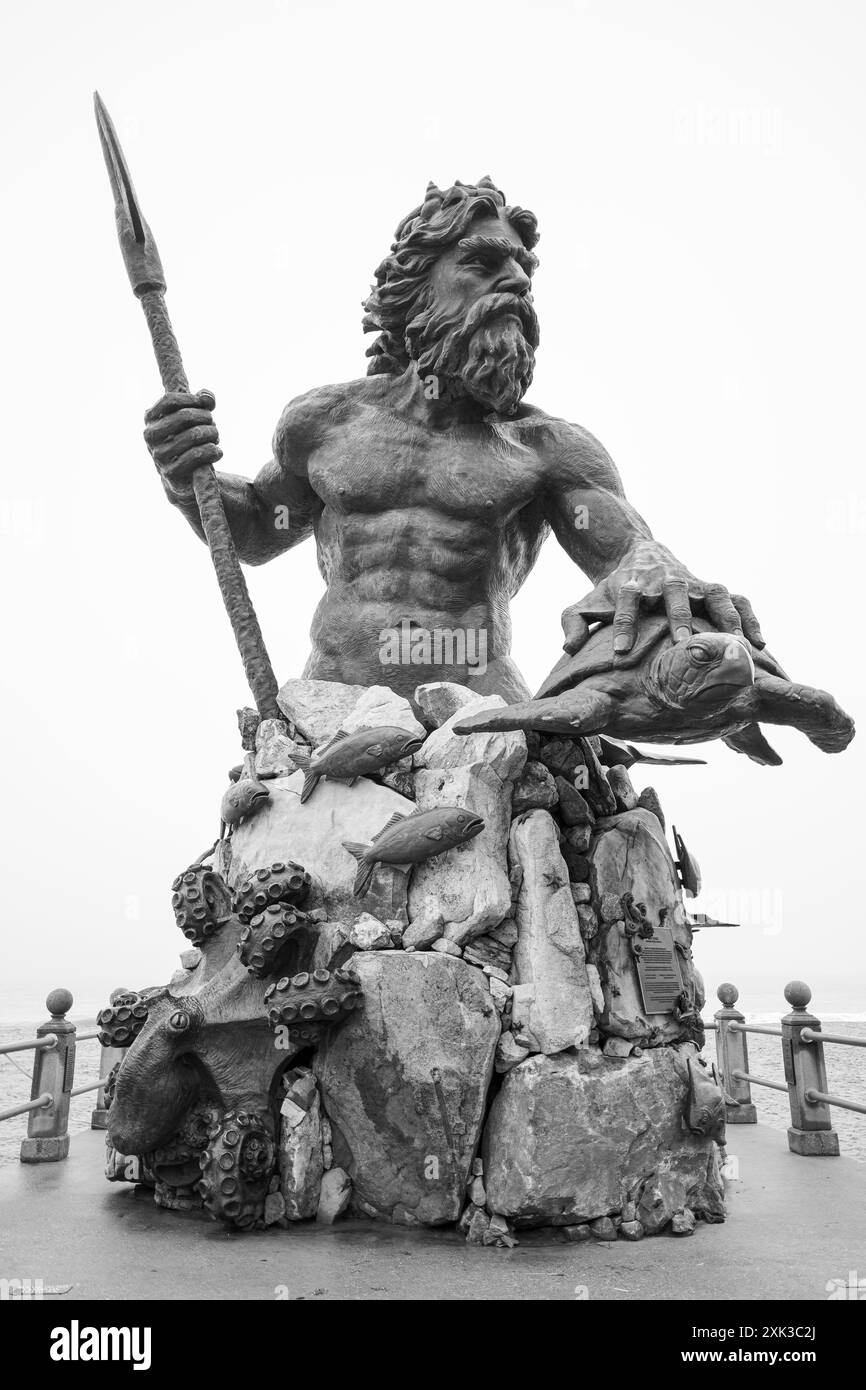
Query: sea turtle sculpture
point(709, 685)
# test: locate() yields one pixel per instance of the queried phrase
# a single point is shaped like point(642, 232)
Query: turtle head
point(708, 668)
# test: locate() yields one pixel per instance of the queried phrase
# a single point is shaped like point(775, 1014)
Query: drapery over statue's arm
point(267, 516)
point(605, 536)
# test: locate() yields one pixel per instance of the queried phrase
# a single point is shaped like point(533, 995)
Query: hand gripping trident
point(148, 282)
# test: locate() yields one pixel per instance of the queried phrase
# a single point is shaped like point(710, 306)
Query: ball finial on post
point(59, 1002)
point(798, 994)
point(727, 994)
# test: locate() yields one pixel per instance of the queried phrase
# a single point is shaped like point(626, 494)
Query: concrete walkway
point(794, 1224)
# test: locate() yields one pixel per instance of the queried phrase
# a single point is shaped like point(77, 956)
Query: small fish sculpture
point(688, 866)
point(617, 754)
point(705, 1105)
point(350, 756)
point(412, 839)
point(240, 800)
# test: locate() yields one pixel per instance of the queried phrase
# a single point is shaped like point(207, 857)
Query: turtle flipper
point(751, 741)
point(576, 712)
point(815, 713)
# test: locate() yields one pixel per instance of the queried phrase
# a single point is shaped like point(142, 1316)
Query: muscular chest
point(396, 466)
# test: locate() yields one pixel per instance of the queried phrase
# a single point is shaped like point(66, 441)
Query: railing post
point(53, 1071)
point(732, 1053)
point(811, 1131)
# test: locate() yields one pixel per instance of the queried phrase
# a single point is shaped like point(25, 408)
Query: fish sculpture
point(616, 754)
point(688, 867)
point(240, 800)
point(412, 839)
point(350, 756)
point(705, 1103)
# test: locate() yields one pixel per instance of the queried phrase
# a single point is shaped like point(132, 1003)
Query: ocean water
point(846, 1076)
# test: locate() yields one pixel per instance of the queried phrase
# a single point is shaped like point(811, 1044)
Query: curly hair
point(401, 279)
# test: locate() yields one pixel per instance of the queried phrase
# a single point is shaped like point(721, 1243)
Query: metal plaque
point(658, 969)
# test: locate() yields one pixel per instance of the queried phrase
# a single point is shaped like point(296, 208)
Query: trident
point(148, 283)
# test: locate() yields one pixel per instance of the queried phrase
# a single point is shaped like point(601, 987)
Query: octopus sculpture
point(196, 1096)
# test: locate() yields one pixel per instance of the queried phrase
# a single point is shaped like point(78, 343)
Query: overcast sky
point(697, 172)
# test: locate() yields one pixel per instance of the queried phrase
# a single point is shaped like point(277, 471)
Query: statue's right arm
point(266, 516)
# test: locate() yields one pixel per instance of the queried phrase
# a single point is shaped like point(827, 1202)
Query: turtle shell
point(596, 656)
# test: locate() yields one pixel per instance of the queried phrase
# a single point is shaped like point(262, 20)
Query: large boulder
point(552, 1003)
point(313, 835)
point(404, 1083)
point(381, 705)
point(439, 700)
point(319, 708)
point(463, 893)
point(504, 754)
point(629, 854)
point(574, 1138)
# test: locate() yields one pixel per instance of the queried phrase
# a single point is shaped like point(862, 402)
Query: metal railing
point(810, 1132)
point(53, 1085)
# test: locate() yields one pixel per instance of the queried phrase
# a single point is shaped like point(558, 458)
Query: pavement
point(794, 1225)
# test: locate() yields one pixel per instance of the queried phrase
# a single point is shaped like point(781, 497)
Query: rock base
point(361, 1045)
point(575, 1138)
point(404, 1083)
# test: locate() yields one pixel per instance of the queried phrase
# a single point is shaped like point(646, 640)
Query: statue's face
point(477, 330)
point(490, 260)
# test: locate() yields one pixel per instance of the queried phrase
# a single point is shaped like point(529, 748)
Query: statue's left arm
point(601, 531)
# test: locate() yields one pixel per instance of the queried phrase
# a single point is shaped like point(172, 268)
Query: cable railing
point(811, 1131)
point(53, 1085)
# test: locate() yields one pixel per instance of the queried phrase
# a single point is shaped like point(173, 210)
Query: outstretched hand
point(650, 576)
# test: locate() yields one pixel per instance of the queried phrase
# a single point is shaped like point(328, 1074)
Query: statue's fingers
point(751, 626)
point(625, 617)
point(720, 610)
point(180, 444)
point(178, 472)
point(179, 400)
point(575, 628)
point(678, 608)
point(170, 425)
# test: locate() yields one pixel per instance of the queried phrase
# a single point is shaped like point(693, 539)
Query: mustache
point(500, 305)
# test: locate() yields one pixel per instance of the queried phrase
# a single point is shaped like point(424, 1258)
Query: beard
point(488, 352)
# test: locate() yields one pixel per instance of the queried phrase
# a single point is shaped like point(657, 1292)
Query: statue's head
point(453, 296)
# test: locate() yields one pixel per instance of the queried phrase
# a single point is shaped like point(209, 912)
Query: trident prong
point(137, 245)
point(144, 269)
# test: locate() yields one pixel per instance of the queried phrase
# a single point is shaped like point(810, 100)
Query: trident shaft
point(148, 282)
